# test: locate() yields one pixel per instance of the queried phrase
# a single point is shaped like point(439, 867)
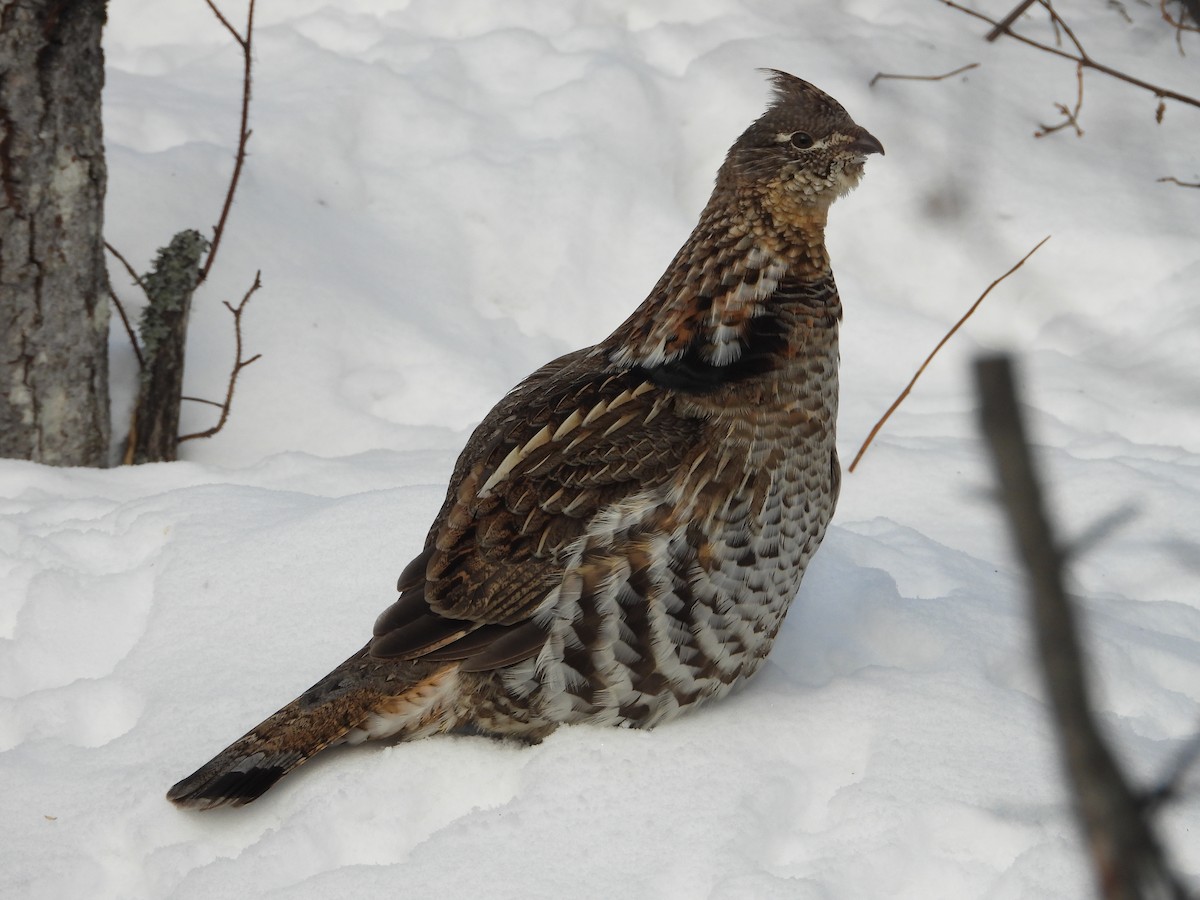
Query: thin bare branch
point(1004, 24)
point(1060, 23)
point(238, 363)
point(879, 76)
point(202, 400)
point(1086, 61)
point(137, 279)
point(1178, 24)
point(1070, 116)
point(243, 129)
point(1173, 180)
point(1127, 860)
point(949, 334)
point(224, 21)
point(137, 350)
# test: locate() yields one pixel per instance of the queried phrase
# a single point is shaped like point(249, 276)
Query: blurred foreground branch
point(1126, 857)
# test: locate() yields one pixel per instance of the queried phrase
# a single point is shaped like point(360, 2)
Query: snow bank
point(443, 195)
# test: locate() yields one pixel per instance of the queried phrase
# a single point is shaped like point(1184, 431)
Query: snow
point(442, 195)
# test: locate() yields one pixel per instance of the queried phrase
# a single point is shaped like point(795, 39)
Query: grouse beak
point(864, 142)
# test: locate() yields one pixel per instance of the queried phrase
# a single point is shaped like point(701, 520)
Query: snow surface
point(443, 194)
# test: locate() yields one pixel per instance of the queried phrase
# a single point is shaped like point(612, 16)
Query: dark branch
point(1173, 180)
point(1004, 24)
point(137, 279)
point(202, 400)
point(1169, 788)
point(1191, 7)
point(137, 351)
point(1059, 23)
point(243, 130)
point(1083, 60)
point(1099, 531)
point(224, 21)
point(238, 363)
point(1126, 857)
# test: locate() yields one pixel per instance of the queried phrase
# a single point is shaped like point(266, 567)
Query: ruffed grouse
point(624, 532)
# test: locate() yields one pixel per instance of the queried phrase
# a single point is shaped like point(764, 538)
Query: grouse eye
point(802, 139)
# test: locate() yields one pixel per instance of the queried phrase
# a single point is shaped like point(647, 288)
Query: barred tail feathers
point(355, 702)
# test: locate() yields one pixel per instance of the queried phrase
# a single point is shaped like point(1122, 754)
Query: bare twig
point(137, 279)
point(1081, 59)
point(879, 76)
point(1071, 116)
point(949, 334)
point(1060, 23)
point(238, 363)
point(1178, 24)
point(202, 400)
point(1054, 24)
point(1173, 180)
point(224, 21)
point(1127, 859)
point(243, 130)
point(1004, 24)
point(137, 351)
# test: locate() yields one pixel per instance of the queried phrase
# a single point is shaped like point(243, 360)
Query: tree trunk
point(154, 429)
point(53, 283)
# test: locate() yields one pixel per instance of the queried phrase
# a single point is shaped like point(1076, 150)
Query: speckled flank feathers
point(624, 532)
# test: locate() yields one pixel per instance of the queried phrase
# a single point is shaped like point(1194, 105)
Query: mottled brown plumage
point(624, 532)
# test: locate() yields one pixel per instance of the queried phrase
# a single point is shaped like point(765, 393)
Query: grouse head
point(804, 150)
